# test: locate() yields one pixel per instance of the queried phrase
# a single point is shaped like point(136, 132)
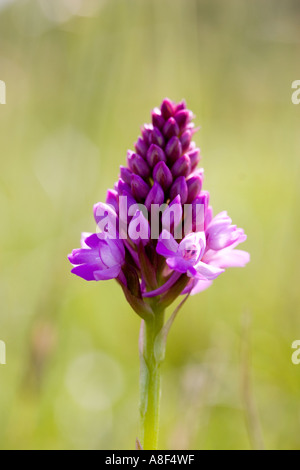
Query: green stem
point(150, 381)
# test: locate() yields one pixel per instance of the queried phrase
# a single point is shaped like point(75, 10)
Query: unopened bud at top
point(139, 188)
point(154, 155)
point(141, 147)
point(171, 128)
point(157, 119)
point(185, 140)
point(182, 118)
point(167, 109)
point(179, 188)
point(112, 198)
point(163, 175)
point(194, 184)
point(173, 149)
point(125, 174)
point(138, 165)
point(155, 196)
point(182, 167)
point(157, 137)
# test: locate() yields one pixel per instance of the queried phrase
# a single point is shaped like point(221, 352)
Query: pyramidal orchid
point(157, 237)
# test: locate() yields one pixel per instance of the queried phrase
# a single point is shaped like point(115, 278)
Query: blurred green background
point(82, 77)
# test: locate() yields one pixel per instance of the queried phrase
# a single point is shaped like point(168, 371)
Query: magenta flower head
point(156, 235)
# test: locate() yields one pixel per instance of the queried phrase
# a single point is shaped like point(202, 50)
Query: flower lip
point(192, 247)
point(185, 255)
point(190, 253)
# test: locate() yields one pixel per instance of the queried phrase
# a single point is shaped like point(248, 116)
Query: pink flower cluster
point(159, 183)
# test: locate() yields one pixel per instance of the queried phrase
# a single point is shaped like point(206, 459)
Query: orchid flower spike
point(162, 183)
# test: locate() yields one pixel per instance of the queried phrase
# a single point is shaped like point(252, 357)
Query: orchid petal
point(166, 245)
point(229, 258)
point(86, 271)
point(106, 274)
point(178, 264)
point(200, 286)
point(84, 256)
point(206, 271)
